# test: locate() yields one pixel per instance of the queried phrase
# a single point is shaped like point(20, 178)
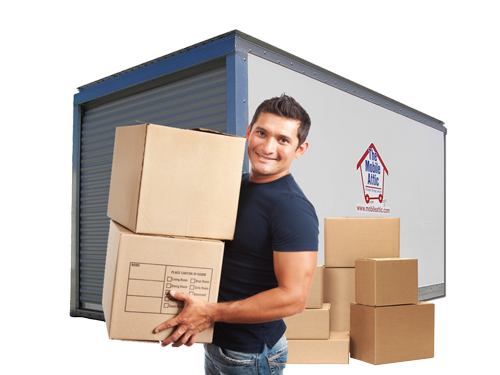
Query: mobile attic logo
point(373, 173)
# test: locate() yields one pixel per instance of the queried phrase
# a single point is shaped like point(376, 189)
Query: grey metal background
point(196, 101)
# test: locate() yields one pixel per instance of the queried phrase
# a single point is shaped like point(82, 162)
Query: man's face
point(272, 146)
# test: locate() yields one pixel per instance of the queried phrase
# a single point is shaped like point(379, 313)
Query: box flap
point(126, 174)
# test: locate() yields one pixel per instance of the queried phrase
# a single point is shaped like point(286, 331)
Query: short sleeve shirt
point(274, 216)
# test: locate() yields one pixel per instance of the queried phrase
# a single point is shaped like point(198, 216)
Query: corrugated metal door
point(196, 101)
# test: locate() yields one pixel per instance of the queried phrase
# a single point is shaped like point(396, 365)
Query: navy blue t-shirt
point(273, 216)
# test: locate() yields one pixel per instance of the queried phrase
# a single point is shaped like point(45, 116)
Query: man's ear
point(249, 130)
point(300, 151)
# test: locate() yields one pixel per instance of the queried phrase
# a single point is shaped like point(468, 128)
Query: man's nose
point(269, 145)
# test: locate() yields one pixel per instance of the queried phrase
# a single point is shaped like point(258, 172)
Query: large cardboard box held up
point(347, 239)
point(386, 281)
point(335, 350)
point(339, 292)
point(176, 182)
point(390, 334)
point(141, 269)
point(311, 324)
point(315, 299)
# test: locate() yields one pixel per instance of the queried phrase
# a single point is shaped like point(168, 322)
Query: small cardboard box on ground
point(315, 299)
point(141, 269)
point(338, 290)
point(386, 281)
point(347, 239)
point(335, 350)
point(311, 324)
point(388, 334)
point(176, 182)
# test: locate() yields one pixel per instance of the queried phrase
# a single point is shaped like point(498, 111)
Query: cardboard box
point(141, 269)
point(335, 350)
point(347, 239)
point(315, 299)
point(310, 324)
point(339, 292)
point(176, 182)
point(386, 281)
point(390, 334)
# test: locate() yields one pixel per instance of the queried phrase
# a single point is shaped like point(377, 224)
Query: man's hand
point(193, 319)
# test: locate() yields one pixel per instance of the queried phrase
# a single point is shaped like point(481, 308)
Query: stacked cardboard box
point(310, 338)
point(347, 239)
point(388, 324)
point(173, 197)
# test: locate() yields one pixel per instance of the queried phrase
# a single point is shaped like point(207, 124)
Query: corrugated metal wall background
point(196, 101)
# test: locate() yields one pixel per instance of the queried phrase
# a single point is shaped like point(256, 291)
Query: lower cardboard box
point(310, 324)
point(339, 291)
point(335, 350)
point(315, 299)
point(388, 334)
point(141, 269)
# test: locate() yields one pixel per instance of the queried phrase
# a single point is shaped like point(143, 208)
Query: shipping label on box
point(142, 269)
point(309, 324)
point(386, 281)
point(315, 299)
point(176, 182)
point(338, 290)
point(335, 350)
point(347, 239)
point(389, 334)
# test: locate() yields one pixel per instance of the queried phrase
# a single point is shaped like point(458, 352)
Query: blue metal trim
point(237, 96)
point(182, 60)
point(75, 214)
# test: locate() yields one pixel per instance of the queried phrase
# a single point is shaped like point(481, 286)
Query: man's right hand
point(193, 319)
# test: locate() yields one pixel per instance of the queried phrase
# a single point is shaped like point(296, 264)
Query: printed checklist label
point(149, 284)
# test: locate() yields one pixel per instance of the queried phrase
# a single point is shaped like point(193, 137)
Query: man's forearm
point(273, 304)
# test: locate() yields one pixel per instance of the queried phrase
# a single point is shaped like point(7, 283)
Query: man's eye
point(284, 140)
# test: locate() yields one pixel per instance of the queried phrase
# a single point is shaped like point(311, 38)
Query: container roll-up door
point(196, 101)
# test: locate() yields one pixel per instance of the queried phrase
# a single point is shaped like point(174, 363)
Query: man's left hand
point(193, 319)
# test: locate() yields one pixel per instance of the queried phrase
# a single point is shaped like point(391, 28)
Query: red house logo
point(373, 171)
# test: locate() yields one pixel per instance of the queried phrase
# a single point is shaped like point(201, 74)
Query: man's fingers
point(174, 337)
point(177, 295)
point(168, 324)
point(192, 340)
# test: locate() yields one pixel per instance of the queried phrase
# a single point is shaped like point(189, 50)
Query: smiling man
point(269, 265)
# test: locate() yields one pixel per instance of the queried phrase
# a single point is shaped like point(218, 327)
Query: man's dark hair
point(288, 107)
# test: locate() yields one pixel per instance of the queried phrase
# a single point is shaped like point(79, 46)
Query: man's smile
point(264, 158)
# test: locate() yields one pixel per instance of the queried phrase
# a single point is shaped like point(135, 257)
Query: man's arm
point(294, 272)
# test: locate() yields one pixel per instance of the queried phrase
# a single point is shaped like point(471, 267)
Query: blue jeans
point(271, 361)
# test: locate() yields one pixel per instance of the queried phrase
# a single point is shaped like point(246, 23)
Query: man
point(268, 267)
